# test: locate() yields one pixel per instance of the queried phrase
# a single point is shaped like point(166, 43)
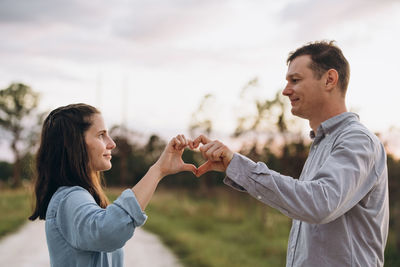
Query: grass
point(224, 228)
point(220, 228)
point(392, 257)
point(14, 209)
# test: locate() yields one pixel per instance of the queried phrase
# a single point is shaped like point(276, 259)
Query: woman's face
point(99, 145)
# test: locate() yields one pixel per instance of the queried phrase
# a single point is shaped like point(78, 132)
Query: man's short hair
point(324, 56)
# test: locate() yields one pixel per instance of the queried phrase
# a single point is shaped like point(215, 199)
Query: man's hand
point(217, 154)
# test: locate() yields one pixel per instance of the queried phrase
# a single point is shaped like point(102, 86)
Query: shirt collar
point(331, 124)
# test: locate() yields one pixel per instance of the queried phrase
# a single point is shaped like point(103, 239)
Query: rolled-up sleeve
point(87, 226)
point(343, 179)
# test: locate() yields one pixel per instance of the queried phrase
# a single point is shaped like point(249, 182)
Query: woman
point(82, 228)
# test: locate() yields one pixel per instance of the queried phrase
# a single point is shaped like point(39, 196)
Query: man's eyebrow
point(293, 74)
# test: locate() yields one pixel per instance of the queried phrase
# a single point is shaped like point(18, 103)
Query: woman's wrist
point(155, 170)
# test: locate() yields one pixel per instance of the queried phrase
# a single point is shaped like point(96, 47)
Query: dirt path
point(28, 248)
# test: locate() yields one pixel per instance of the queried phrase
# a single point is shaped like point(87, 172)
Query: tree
point(5, 171)
point(393, 165)
point(153, 149)
point(122, 172)
point(133, 155)
point(17, 103)
point(268, 134)
point(201, 121)
point(267, 129)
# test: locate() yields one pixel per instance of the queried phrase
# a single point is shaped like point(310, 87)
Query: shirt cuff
point(128, 202)
point(236, 171)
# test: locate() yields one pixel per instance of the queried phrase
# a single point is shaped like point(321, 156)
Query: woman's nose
point(111, 144)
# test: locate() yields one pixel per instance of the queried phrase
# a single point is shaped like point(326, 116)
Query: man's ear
point(332, 78)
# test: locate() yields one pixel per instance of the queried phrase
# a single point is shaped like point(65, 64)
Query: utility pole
point(125, 96)
point(124, 153)
point(99, 84)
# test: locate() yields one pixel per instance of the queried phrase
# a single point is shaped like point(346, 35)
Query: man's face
point(303, 89)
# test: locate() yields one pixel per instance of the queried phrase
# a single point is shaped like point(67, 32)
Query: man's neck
point(316, 122)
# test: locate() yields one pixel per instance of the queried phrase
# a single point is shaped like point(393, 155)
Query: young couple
point(339, 204)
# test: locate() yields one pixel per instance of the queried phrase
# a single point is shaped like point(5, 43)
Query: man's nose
point(287, 91)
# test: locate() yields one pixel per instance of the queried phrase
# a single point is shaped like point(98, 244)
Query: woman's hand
point(170, 161)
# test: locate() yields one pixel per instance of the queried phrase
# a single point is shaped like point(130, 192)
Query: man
point(339, 205)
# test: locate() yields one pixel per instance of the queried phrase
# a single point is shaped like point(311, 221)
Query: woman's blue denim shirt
point(81, 233)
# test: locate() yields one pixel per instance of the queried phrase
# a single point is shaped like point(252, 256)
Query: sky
point(148, 64)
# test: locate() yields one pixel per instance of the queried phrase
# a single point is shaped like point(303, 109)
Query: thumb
point(204, 168)
point(201, 139)
point(189, 168)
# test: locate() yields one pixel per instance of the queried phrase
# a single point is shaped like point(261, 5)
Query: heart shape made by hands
point(216, 155)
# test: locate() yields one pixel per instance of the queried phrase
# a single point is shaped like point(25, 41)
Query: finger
point(219, 153)
point(181, 138)
point(210, 152)
point(204, 149)
point(204, 168)
point(191, 145)
point(196, 142)
point(175, 143)
point(187, 141)
point(179, 144)
point(225, 154)
point(189, 168)
point(201, 139)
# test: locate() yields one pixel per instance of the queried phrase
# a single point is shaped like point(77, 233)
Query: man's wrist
point(228, 159)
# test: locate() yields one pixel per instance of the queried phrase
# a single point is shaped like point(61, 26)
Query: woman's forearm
point(145, 188)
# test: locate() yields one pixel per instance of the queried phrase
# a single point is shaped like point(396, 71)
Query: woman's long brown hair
point(62, 158)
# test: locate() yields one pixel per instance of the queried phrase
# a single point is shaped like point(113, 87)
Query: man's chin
point(297, 113)
point(294, 111)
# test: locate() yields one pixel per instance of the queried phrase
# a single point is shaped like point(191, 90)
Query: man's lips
point(294, 100)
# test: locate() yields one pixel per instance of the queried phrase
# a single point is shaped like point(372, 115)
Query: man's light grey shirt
point(339, 205)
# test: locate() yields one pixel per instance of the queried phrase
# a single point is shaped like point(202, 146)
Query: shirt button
point(259, 197)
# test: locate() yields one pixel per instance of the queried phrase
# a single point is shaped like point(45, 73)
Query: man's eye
point(295, 80)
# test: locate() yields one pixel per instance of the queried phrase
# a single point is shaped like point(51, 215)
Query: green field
point(220, 228)
point(224, 228)
point(15, 208)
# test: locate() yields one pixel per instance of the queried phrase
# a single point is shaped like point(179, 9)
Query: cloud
point(134, 20)
point(163, 21)
point(311, 18)
point(101, 30)
point(54, 11)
